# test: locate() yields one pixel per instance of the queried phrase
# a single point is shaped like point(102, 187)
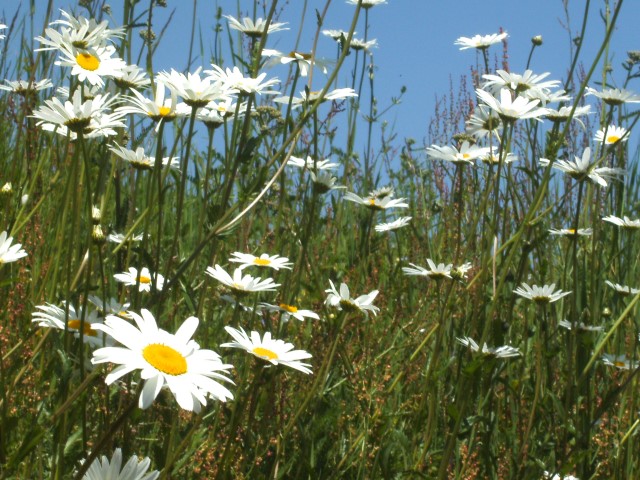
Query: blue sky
point(415, 39)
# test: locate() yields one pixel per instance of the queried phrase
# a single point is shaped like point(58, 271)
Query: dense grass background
point(392, 395)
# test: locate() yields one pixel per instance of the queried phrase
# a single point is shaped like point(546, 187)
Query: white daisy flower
point(110, 306)
point(375, 203)
point(481, 42)
point(304, 61)
point(24, 87)
point(460, 272)
point(122, 238)
point(466, 154)
point(51, 316)
point(2, 27)
point(269, 349)
point(265, 260)
point(624, 222)
point(611, 135)
point(290, 311)
point(492, 157)
point(216, 113)
point(312, 164)
point(140, 161)
point(241, 284)
point(621, 362)
point(580, 326)
point(510, 109)
point(572, 232)
point(557, 476)
point(342, 300)
point(541, 295)
point(236, 80)
point(367, 3)
point(254, 29)
point(10, 253)
point(88, 117)
point(324, 181)
point(336, 34)
point(360, 44)
point(623, 290)
point(437, 272)
point(164, 359)
point(79, 33)
point(505, 351)
point(146, 281)
point(528, 84)
point(135, 469)
point(332, 95)
point(484, 122)
point(133, 77)
point(196, 92)
point(396, 224)
point(158, 108)
point(582, 169)
point(614, 96)
point(93, 65)
point(563, 114)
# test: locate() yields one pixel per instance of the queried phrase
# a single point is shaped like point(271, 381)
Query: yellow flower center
point(305, 56)
point(86, 328)
point(88, 61)
point(612, 138)
point(164, 111)
point(263, 262)
point(144, 279)
point(288, 308)
point(571, 231)
point(265, 353)
point(165, 359)
point(465, 156)
point(619, 364)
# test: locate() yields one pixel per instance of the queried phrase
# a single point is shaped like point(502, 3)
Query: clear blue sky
point(415, 39)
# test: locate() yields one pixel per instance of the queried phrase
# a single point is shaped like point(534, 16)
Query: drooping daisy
point(623, 290)
point(235, 79)
point(581, 169)
point(324, 181)
point(541, 295)
point(460, 272)
point(624, 222)
point(466, 154)
point(312, 164)
point(290, 311)
point(304, 61)
point(52, 316)
point(376, 203)
point(265, 260)
point(122, 238)
point(342, 300)
point(611, 135)
point(145, 280)
point(254, 29)
point(571, 232)
point(140, 161)
point(367, 3)
point(505, 351)
point(510, 109)
point(396, 224)
point(481, 42)
point(269, 349)
point(304, 98)
point(164, 359)
point(484, 122)
point(135, 469)
point(132, 77)
point(528, 84)
point(93, 65)
point(436, 272)
point(196, 91)
point(614, 96)
point(89, 117)
point(24, 87)
point(360, 44)
point(580, 326)
point(241, 284)
point(10, 253)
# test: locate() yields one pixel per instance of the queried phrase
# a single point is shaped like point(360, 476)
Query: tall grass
point(445, 373)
